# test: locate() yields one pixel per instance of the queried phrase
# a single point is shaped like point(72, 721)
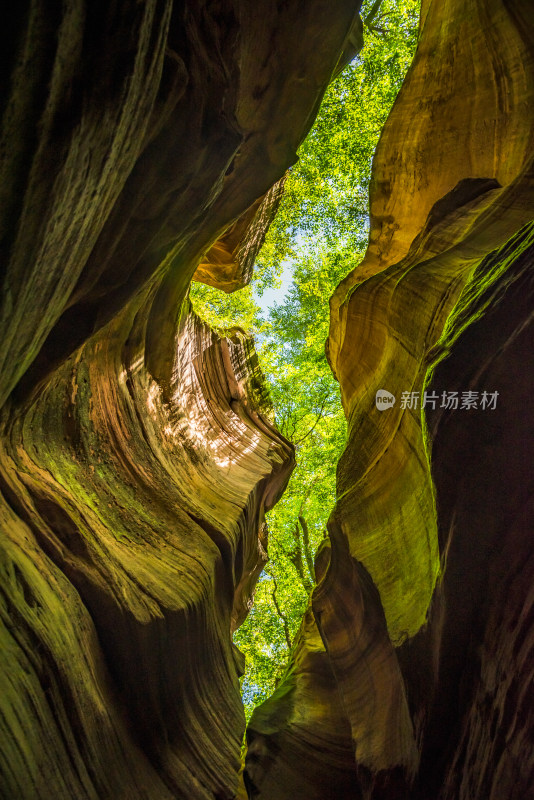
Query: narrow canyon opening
point(317, 235)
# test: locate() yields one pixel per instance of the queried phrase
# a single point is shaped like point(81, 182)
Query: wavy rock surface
point(479, 705)
point(229, 263)
point(304, 719)
point(141, 520)
point(140, 147)
point(424, 609)
point(136, 458)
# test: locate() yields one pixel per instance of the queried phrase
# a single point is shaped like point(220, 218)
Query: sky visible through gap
point(318, 236)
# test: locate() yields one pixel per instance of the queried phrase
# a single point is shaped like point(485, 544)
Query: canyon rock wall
point(140, 144)
point(423, 612)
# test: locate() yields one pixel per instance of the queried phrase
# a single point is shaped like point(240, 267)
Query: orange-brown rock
point(136, 458)
point(476, 698)
point(142, 144)
point(424, 610)
point(229, 263)
point(132, 543)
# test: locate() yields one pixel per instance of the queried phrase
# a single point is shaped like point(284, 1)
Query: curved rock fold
point(411, 608)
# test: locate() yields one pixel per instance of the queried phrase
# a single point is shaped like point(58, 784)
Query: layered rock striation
point(424, 609)
point(137, 455)
point(132, 540)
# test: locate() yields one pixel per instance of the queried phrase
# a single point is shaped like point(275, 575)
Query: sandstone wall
point(137, 456)
point(423, 608)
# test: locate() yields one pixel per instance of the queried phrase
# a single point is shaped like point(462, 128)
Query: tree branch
point(372, 13)
point(308, 492)
point(307, 549)
point(279, 611)
point(321, 411)
point(381, 31)
point(296, 559)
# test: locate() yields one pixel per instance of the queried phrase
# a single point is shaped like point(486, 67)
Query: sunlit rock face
point(134, 541)
point(144, 144)
point(137, 459)
point(229, 263)
point(425, 608)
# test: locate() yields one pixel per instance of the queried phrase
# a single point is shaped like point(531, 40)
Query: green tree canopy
point(319, 235)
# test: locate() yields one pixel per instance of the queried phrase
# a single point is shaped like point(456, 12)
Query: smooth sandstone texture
point(478, 694)
point(229, 263)
point(424, 609)
point(137, 456)
point(149, 513)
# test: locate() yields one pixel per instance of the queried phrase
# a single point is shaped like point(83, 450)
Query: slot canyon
point(144, 145)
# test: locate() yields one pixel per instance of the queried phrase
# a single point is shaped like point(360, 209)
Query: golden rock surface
point(137, 458)
point(428, 656)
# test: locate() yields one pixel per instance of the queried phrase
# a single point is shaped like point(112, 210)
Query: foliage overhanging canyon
point(316, 238)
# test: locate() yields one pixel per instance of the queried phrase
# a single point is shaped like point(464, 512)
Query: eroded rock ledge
point(422, 615)
point(134, 539)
